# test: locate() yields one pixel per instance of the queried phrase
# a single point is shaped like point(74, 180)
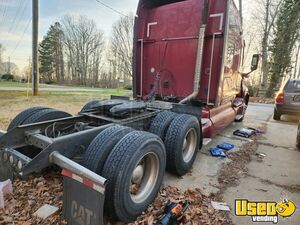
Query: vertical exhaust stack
point(198, 67)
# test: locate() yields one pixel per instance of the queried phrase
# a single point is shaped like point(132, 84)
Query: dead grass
point(13, 102)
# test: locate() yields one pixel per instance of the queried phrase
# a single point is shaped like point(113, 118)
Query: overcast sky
point(15, 18)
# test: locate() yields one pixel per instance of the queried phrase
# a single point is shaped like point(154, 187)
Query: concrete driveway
point(244, 175)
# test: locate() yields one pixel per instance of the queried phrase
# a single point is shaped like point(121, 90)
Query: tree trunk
point(265, 42)
point(296, 62)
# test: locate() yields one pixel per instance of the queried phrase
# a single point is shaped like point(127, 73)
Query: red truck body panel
point(166, 41)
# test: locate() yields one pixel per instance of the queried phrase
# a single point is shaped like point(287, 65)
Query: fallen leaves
point(262, 100)
point(30, 195)
point(199, 212)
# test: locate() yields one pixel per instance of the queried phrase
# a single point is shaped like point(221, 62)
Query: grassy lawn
point(13, 84)
point(13, 102)
point(24, 85)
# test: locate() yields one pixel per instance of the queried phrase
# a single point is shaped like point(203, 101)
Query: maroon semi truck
point(187, 87)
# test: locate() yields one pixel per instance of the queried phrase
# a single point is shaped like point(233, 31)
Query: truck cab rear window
point(294, 86)
point(157, 3)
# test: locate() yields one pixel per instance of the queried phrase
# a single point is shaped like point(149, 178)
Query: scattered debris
point(220, 206)
point(5, 189)
point(45, 211)
point(261, 155)
point(231, 172)
point(258, 131)
point(217, 152)
point(174, 213)
point(262, 100)
point(200, 210)
point(244, 132)
point(206, 141)
point(29, 195)
point(226, 146)
point(259, 189)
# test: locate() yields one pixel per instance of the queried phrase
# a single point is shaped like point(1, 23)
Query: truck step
point(204, 121)
point(206, 141)
point(238, 117)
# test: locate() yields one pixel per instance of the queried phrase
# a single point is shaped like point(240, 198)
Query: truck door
point(232, 57)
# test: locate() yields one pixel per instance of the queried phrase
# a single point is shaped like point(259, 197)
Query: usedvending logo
point(264, 211)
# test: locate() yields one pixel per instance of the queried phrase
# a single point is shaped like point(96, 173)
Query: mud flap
point(82, 205)
point(6, 171)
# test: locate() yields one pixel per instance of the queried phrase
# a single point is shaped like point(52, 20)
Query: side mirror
point(255, 62)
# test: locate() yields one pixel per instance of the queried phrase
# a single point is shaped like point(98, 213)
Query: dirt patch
point(231, 172)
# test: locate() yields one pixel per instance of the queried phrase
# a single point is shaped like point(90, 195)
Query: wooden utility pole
point(35, 59)
point(8, 69)
point(241, 11)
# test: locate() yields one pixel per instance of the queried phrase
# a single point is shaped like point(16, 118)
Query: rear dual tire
point(35, 115)
point(182, 143)
point(45, 115)
point(89, 106)
point(133, 162)
point(135, 170)
point(181, 134)
point(22, 116)
point(100, 148)
point(161, 123)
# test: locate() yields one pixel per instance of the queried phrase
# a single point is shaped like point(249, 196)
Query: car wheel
point(276, 115)
point(99, 149)
point(21, 117)
point(161, 122)
point(182, 143)
point(134, 171)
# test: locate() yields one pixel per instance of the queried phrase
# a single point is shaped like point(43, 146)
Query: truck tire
point(88, 106)
point(134, 170)
point(182, 143)
point(276, 115)
point(22, 116)
point(46, 114)
point(161, 123)
point(99, 149)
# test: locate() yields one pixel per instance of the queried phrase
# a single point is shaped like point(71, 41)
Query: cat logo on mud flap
point(82, 215)
point(264, 211)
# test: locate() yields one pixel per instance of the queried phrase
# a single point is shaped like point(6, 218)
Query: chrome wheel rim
point(189, 145)
point(144, 177)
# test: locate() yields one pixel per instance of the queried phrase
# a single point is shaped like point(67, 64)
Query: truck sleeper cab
point(171, 63)
point(186, 88)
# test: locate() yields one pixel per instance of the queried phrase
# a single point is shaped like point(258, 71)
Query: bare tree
point(296, 60)
point(121, 47)
point(84, 46)
point(1, 55)
point(265, 15)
